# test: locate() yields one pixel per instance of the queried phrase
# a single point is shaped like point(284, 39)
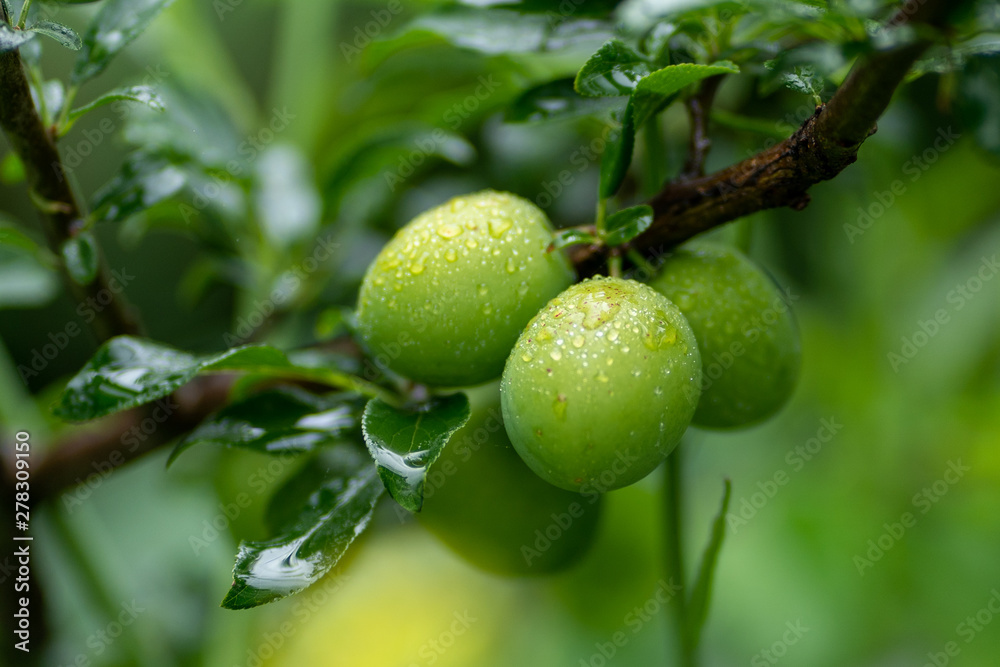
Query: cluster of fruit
point(600, 379)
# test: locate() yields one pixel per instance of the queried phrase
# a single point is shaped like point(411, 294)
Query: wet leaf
point(618, 154)
point(59, 32)
point(126, 372)
point(614, 70)
point(285, 420)
point(406, 442)
point(625, 225)
point(569, 237)
point(336, 513)
point(116, 25)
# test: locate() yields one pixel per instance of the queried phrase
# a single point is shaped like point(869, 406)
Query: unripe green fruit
point(446, 298)
point(746, 333)
point(601, 385)
point(486, 505)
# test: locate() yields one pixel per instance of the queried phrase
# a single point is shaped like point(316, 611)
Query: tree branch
point(62, 217)
point(781, 175)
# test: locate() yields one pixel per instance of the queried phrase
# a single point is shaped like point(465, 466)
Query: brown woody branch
point(782, 175)
point(779, 176)
point(62, 216)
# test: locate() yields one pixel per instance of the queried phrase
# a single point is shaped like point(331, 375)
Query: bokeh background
point(815, 571)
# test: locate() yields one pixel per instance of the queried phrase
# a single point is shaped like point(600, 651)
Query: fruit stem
point(602, 213)
point(615, 264)
point(673, 529)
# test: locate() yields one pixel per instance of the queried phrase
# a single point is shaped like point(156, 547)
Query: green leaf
point(144, 180)
point(406, 442)
point(626, 224)
point(555, 100)
point(657, 89)
point(141, 94)
point(337, 512)
point(568, 237)
point(701, 592)
point(618, 154)
point(11, 169)
point(805, 80)
point(285, 420)
point(27, 282)
point(8, 12)
point(116, 25)
point(59, 32)
point(613, 71)
point(126, 372)
point(11, 39)
point(80, 255)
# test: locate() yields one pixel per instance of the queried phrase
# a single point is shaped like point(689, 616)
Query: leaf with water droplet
point(126, 372)
point(661, 87)
point(406, 442)
point(310, 545)
point(613, 70)
point(568, 237)
point(59, 32)
point(626, 224)
point(285, 420)
point(115, 26)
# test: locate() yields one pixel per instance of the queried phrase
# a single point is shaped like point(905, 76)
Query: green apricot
point(747, 335)
point(485, 504)
point(601, 385)
point(446, 298)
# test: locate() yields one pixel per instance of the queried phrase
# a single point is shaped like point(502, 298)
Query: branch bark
point(63, 216)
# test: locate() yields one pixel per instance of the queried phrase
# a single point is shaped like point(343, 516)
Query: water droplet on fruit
point(510, 265)
point(498, 226)
point(451, 255)
point(601, 377)
point(578, 341)
point(449, 231)
point(613, 336)
point(526, 357)
point(522, 288)
point(471, 244)
point(556, 355)
point(416, 268)
point(483, 289)
point(487, 309)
